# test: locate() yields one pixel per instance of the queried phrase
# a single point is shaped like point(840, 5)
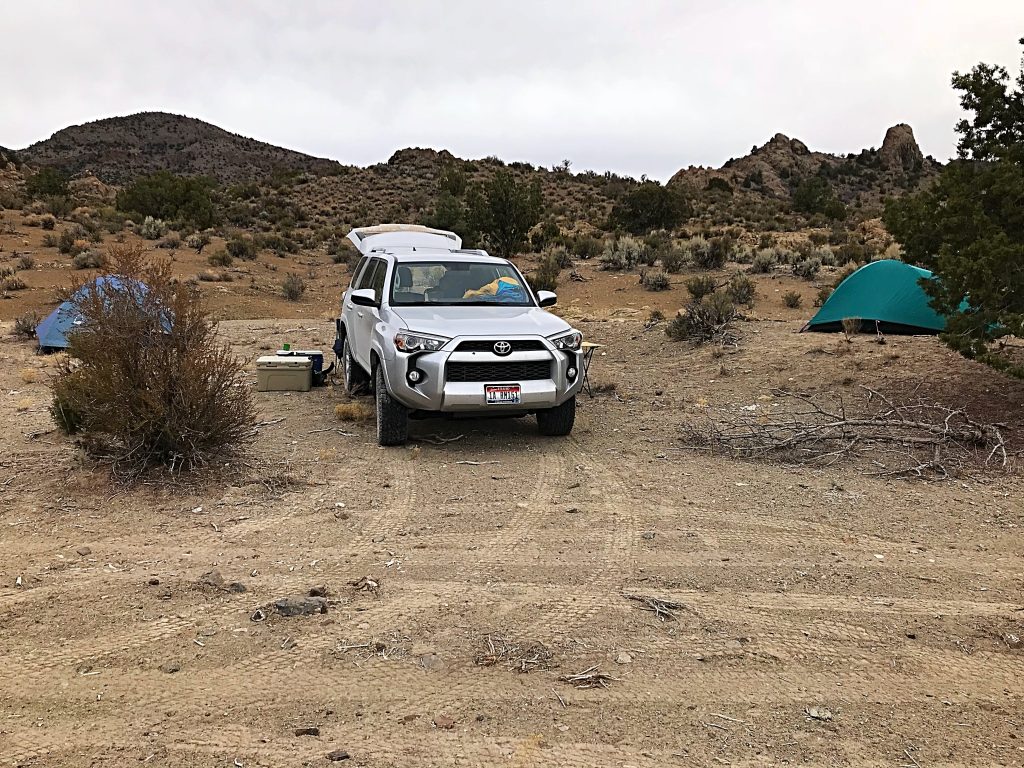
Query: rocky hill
point(779, 186)
point(772, 174)
point(117, 149)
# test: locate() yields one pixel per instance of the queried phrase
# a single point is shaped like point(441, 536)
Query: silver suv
point(434, 329)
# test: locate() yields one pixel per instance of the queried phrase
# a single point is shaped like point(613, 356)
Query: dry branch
point(662, 608)
point(592, 677)
point(917, 439)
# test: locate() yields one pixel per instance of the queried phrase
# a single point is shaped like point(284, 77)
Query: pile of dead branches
point(911, 439)
point(520, 657)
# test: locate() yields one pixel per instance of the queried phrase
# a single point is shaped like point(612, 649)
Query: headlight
point(570, 341)
point(415, 342)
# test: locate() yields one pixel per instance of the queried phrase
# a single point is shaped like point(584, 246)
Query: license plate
point(505, 394)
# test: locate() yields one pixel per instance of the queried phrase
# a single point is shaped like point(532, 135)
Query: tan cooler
point(280, 373)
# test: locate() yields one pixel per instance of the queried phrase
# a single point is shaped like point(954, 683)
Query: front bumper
point(435, 393)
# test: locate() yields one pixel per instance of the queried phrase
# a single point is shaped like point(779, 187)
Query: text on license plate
point(505, 394)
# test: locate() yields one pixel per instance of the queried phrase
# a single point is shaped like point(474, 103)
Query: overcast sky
point(635, 86)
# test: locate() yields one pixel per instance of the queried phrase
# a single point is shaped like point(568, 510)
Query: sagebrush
point(146, 381)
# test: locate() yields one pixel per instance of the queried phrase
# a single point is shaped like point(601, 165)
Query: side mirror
point(546, 298)
point(364, 297)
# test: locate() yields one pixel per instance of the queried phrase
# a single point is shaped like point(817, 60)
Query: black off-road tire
point(357, 381)
point(392, 417)
point(557, 421)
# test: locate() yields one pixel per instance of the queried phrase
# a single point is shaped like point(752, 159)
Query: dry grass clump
point(293, 287)
point(518, 656)
point(851, 327)
point(146, 381)
point(28, 375)
point(25, 325)
point(354, 410)
point(213, 276)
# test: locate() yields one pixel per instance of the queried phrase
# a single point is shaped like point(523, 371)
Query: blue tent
point(53, 331)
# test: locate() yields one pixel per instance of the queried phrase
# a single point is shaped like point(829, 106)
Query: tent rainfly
point(53, 331)
point(886, 295)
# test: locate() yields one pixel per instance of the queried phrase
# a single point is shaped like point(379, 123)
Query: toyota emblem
point(502, 347)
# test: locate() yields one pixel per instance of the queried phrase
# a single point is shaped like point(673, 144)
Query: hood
point(481, 321)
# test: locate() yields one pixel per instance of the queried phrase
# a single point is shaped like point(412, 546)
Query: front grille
point(485, 345)
point(500, 372)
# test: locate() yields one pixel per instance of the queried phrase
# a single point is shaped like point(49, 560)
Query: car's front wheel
point(558, 420)
point(357, 382)
point(392, 416)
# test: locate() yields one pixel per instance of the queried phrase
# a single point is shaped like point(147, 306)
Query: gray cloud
point(637, 87)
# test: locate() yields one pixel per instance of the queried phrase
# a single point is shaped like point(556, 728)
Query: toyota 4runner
point(433, 329)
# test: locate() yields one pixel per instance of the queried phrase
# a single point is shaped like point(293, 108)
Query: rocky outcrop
point(899, 151)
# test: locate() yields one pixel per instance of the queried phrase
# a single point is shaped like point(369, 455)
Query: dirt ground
point(878, 606)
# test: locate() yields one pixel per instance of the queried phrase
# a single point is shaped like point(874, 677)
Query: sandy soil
point(884, 602)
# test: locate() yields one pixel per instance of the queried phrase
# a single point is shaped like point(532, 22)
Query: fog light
point(414, 376)
point(571, 373)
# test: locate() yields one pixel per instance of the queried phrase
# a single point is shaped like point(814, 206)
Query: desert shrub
point(741, 290)
point(242, 247)
point(219, 258)
point(764, 261)
point(162, 195)
point(13, 284)
point(198, 241)
point(87, 260)
point(48, 221)
point(25, 261)
point(650, 206)
point(655, 281)
point(546, 276)
point(293, 287)
point(825, 255)
point(807, 268)
point(561, 255)
point(503, 210)
point(742, 254)
point(47, 182)
point(708, 254)
point(544, 234)
point(586, 246)
point(703, 321)
point(170, 243)
point(146, 380)
point(622, 254)
point(276, 242)
point(50, 240)
point(673, 259)
point(792, 299)
point(700, 286)
point(822, 296)
point(152, 229)
point(58, 205)
point(66, 241)
point(25, 325)
point(656, 316)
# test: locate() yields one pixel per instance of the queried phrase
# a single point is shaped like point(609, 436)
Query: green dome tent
point(885, 292)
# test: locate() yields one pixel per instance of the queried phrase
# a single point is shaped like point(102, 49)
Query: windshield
point(451, 283)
